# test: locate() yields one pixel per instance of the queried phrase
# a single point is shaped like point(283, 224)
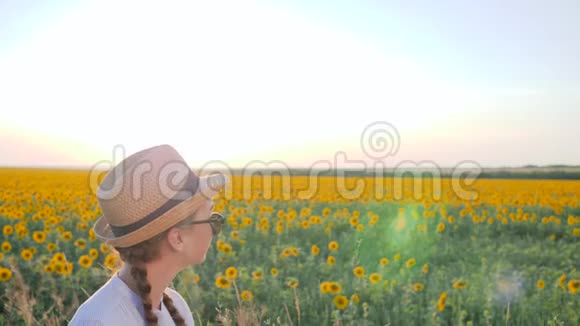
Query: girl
point(158, 230)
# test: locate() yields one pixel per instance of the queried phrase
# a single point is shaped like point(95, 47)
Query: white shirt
point(116, 304)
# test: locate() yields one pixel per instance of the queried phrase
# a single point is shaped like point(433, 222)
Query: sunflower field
point(317, 251)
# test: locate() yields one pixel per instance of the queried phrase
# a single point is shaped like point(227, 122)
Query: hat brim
point(209, 186)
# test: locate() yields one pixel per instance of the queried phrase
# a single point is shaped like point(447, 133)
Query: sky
point(294, 82)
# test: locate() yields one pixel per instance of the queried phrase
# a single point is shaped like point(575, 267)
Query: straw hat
point(149, 192)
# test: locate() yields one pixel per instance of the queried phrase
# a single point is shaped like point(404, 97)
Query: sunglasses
point(216, 221)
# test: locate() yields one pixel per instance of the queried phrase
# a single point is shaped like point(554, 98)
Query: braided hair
point(137, 255)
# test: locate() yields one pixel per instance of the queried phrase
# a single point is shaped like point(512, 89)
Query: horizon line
point(81, 167)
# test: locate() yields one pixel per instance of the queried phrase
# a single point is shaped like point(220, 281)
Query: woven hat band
point(190, 187)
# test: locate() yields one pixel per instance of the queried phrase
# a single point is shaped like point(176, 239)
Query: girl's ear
point(175, 239)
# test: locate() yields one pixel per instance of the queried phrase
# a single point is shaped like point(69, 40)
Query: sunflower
point(426, 268)
point(541, 284)
point(226, 249)
point(247, 295)
point(459, 285)
point(441, 302)
point(334, 288)
point(85, 261)
point(81, 243)
point(333, 246)
point(49, 268)
point(51, 247)
point(384, 261)
point(222, 282)
point(354, 221)
point(39, 236)
point(411, 262)
point(328, 228)
point(92, 235)
point(293, 251)
point(104, 248)
point(5, 274)
point(6, 246)
point(574, 286)
point(340, 302)
point(82, 226)
point(561, 281)
point(66, 236)
point(292, 283)
point(315, 219)
point(52, 220)
point(324, 287)
point(330, 260)
point(235, 234)
point(279, 228)
point(274, 271)
point(94, 253)
point(285, 253)
point(257, 275)
point(58, 257)
point(355, 298)
point(417, 287)
point(111, 261)
point(440, 227)
point(8, 230)
point(231, 272)
point(26, 254)
point(314, 250)
point(375, 278)
point(359, 271)
point(65, 268)
point(246, 221)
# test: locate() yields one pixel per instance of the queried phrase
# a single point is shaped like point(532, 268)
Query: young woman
point(158, 214)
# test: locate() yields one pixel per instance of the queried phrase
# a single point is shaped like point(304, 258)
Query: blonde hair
point(137, 255)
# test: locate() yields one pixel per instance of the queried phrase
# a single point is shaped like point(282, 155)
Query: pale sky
point(496, 82)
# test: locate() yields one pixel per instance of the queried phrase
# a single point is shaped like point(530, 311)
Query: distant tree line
point(528, 172)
